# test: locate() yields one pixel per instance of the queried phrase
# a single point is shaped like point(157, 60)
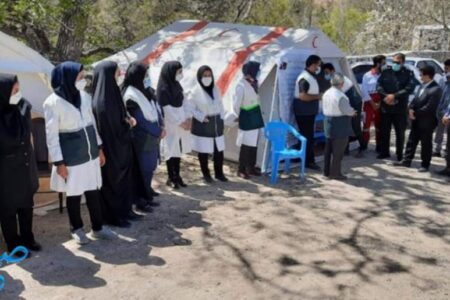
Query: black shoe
point(144, 208)
point(243, 175)
point(154, 194)
point(383, 156)
point(173, 184)
point(132, 216)
point(423, 169)
point(402, 163)
point(33, 246)
point(360, 154)
point(253, 171)
point(154, 204)
point(181, 182)
point(313, 166)
point(222, 178)
point(208, 179)
point(444, 172)
point(399, 157)
point(122, 223)
point(338, 177)
point(437, 154)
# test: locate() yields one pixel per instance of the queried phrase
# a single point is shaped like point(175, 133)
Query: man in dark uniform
point(306, 105)
point(394, 85)
point(422, 112)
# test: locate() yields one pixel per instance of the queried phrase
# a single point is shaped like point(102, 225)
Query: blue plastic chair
point(276, 133)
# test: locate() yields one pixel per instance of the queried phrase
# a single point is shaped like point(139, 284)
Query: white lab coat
point(177, 141)
point(202, 105)
point(61, 116)
point(245, 95)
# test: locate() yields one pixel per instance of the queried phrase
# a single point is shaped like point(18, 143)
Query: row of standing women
point(107, 147)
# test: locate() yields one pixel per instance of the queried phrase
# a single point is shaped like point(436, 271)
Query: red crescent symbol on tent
point(314, 42)
point(241, 56)
point(156, 53)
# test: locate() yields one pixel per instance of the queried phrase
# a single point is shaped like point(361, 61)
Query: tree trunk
point(71, 34)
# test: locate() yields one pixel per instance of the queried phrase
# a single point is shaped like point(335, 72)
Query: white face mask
point(120, 80)
point(318, 71)
point(15, 99)
point(207, 81)
point(179, 77)
point(81, 84)
point(447, 75)
point(147, 82)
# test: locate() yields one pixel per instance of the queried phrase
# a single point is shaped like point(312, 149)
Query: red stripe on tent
point(155, 54)
point(241, 56)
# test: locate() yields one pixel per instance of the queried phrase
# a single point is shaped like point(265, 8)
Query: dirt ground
point(383, 234)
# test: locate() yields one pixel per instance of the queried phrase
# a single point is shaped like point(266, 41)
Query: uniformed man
point(306, 105)
point(394, 86)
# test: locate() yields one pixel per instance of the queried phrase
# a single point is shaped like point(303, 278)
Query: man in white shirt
point(372, 99)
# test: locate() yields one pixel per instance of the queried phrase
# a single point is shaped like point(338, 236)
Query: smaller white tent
point(225, 47)
point(32, 69)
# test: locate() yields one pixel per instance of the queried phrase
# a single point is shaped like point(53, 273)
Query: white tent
point(225, 48)
point(32, 69)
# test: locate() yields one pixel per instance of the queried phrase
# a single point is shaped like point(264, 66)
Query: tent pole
point(266, 143)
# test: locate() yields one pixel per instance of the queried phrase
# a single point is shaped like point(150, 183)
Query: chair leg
point(302, 168)
point(287, 165)
point(275, 164)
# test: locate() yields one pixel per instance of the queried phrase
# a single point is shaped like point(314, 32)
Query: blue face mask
point(147, 82)
point(327, 77)
point(396, 67)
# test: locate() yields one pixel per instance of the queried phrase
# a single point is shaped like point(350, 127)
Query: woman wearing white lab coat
point(207, 124)
point(246, 106)
point(75, 149)
point(177, 119)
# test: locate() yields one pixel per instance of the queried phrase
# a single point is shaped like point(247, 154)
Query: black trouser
point(173, 168)
point(18, 236)
point(399, 122)
point(247, 158)
point(421, 131)
point(334, 153)
point(218, 163)
point(306, 128)
point(94, 208)
point(357, 130)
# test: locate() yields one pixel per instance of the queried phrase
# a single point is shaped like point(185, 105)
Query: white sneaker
point(104, 234)
point(80, 237)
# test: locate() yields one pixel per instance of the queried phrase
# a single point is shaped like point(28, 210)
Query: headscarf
point(208, 89)
point(107, 100)
point(251, 68)
point(12, 122)
point(134, 77)
point(169, 91)
point(64, 76)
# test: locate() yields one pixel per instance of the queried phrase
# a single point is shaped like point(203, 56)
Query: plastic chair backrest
point(276, 132)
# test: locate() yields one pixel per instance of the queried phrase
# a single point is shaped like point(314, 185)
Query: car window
point(409, 62)
point(435, 66)
point(359, 72)
point(421, 64)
